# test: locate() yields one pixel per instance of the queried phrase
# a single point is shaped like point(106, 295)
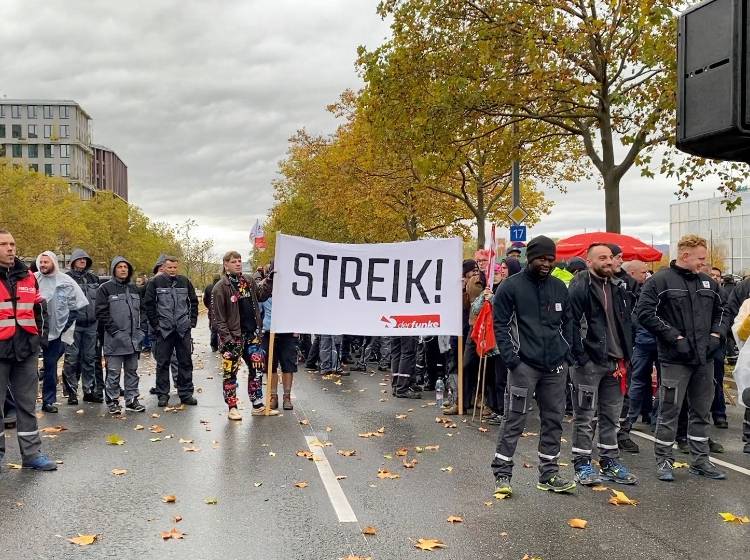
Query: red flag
point(483, 332)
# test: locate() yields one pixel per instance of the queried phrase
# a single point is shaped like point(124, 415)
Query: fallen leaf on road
point(388, 456)
point(446, 469)
point(527, 557)
point(257, 484)
point(429, 544)
point(317, 443)
point(431, 447)
point(272, 454)
point(119, 472)
point(304, 422)
point(381, 430)
point(578, 523)
point(80, 411)
point(732, 518)
point(302, 484)
point(182, 440)
point(156, 429)
point(173, 534)
point(410, 464)
point(169, 499)
point(678, 465)
point(329, 429)
point(419, 449)
point(529, 434)
point(154, 439)
point(341, 477)
point(347, 452)
point(83, 540)
point(306, 454)
point(499, 496)
point(402, 452)
point(353, 557)
point(620, 499)
point(139, 427)
point(400, 416)
point(369, 531)
point(385, 473)
point(488, 504)
point(155, 415)
point(371, 434)
point(53, 429)
point(14, 466)
point(211, 501)
point(191, 449)
point(528, 466)
point(177, 518)
point(455, 519)
point(483, 429)
point(215, 444)
point(114, 439)
point(599, 488)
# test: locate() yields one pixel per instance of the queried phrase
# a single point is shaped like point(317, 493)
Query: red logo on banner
point(411, 321)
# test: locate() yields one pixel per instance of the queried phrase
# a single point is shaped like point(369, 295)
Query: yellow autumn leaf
point(455, 519)
point(302, 484)
point(410, 464)
point(431, 447)
point(402, 452)
point(447, 469)
point(114, 439)
point(429, 544)
point(169, 499)
point(173, 534)
point(347, 452)
point(83, 540)
point(305, 454)
point(119, 472)
point(53, 429)
point(577, 523)
point(211, 501)
point(139, 427)
point(678, 465)
point(620, 499)
point(599, 488)
point(14, 466)
point(385, 473)
point(369, 531)
point(732, 518)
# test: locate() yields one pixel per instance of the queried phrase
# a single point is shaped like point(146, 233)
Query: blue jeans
point(719, 406)
point(644, 358)
point(330, 353)
point(51, 355)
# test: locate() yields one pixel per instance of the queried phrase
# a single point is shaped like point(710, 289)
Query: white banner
point(384, 289)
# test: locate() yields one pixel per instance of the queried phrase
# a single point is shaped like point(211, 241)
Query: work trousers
point(549, 386)
point(50, 357)
point(80, 363)
point(313, 354)
point(182, 347)
point(330, 353)
point(696, 383)
point(22, 379)
point(127, 366)
point(403, 362)
point(596, 389)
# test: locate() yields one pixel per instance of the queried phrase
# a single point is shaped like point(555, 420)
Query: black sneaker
point(73, 400)
point(115, 408)
point(190, 400)
point(715, 446)
point(409, 394)
point(665, 470)
point(51, 408)
point(135, 406)
point(152, 391)
point(557, 484)
point(163, 400)
point(628, 445)
point(503, 487)
point(90, 397)
point(707, 469)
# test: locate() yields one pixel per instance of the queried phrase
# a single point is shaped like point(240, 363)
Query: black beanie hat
point(540, 246)
point(469, 265)
point(576, 264)
point(615, 248)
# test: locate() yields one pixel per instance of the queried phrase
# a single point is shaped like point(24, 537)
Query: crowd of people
point(589, 338)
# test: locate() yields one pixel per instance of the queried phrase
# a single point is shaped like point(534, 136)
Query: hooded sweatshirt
point(63, 296)
point(89, 283)
point(118, 310)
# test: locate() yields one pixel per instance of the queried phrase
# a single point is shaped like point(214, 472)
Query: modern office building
point(710, 219)
point(109, 172)
point(49, 136)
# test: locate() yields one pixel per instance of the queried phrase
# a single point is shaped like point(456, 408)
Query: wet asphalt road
point(250, 468)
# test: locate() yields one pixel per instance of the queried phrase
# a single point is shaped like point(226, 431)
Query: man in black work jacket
point(532, 328)
point(682, 308)
point(601, 354)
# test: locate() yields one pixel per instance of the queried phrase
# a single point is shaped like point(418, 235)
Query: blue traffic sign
point(518, 233)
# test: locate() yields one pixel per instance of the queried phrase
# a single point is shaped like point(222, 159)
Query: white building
point(709, 219)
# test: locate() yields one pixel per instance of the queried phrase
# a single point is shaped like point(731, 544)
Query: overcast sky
point(199, 99)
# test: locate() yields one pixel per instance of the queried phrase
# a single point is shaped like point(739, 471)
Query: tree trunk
point(612, 204)
point(481, 222)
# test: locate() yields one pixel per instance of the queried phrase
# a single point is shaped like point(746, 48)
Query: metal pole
point(516, 175)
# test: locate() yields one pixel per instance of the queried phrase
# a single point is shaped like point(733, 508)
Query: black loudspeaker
point(713, 112)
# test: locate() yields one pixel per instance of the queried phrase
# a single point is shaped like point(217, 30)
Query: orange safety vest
point(22, 313)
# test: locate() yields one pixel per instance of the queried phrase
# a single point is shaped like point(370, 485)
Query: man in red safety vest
point(22, 330)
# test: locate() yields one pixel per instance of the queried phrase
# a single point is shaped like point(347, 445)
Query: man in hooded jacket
point(64, 298)
point(80, 357)
point(118, 310)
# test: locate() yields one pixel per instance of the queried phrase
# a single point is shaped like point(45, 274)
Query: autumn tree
point(600, 73)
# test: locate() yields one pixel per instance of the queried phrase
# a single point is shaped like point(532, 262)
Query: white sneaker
point(262, 412)
point(234, 414)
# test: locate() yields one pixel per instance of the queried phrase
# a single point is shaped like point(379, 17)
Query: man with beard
point(601, 356)
point(532, 329)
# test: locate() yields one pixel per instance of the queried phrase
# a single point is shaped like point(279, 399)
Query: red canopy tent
point(632, 248)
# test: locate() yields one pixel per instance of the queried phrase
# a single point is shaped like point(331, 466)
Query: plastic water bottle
point(439, 390)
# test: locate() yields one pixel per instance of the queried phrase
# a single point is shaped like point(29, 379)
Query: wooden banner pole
point(461, 375)
point(271, 380)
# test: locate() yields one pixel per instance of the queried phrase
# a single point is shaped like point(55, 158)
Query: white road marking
point(336, 494)
point(737, 468)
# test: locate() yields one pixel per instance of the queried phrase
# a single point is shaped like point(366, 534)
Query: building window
point(2, 131)
point(47, 130)
point(32, 131)
point(65, 150)
point(34, 167)
point(16, 150)
point(64, 169)
point(49, 151)
point(31, 111)
point(33, 151)
point(64, 128)
point(15, 111)
point(47, 109)
point(64, 112)
point(48, 169)
point(16, 130)
point(2, 110)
